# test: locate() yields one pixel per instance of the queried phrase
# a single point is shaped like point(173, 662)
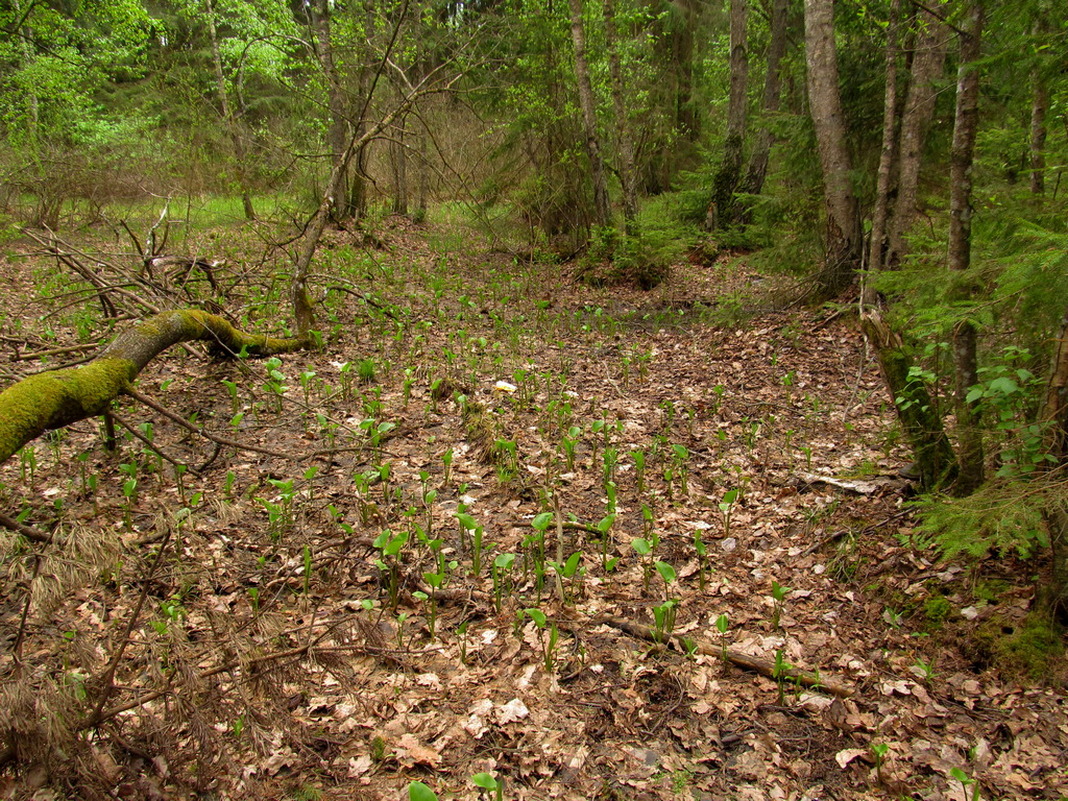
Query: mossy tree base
point(936, 462)
point(58, 398)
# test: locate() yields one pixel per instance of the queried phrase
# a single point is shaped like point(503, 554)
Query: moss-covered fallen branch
point(58, 398)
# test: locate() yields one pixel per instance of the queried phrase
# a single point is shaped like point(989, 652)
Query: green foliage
point(1004, 516)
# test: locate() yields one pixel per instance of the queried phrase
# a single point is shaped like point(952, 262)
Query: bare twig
point(30, 533)
point(764, 667)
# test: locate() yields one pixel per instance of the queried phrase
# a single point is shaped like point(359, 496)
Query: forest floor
point(241, 626)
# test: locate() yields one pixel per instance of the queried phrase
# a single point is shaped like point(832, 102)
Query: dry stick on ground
point(100, 716)
point(765, 667)
point(155, 448)
point(23, 357)
point(108, 679)
point(177, 418)
point(30, 533)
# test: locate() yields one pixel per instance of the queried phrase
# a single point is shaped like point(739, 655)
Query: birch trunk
point(587, 103)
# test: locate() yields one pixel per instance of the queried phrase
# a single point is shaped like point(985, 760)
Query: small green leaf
point(485, 781)
point(417, 791)
point(537, 616)
point(666, 571)
point(641, 545)
point(542, 521)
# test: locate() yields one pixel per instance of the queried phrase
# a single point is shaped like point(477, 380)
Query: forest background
point(900, 161)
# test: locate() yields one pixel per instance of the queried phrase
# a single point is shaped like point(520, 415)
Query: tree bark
point(399, 160)
point(58, 398)
point(1039, 108)
point(729, 174)
point(758, 163)
point(842, 237)
point(337, 135)
point(932, 451)
point(601, 205)
point(965, 126)
point(233, 126)
point(624, 142)
point(1055, 417)
point(928, 62)
point(887, 155)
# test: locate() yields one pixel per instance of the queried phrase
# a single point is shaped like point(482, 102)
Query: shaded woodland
point(525, 400)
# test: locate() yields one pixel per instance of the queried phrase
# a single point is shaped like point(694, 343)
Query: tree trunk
point(337, 135)
point(928, 62)
point(601, 205)
point(624, 142)
point(58, 398)
point(399, 160)
point(229, 119)
point(1039, 107)
point(687, 121)
point(965, 126)
point(932, 451)
point(842, 237)
point(725, 183)
point(758, 163)
point(1055, 418)
point(887, 155)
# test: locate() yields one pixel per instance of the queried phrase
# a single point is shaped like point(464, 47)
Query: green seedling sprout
point(702, 556)
point(680, 456)
point(965, 781)
point(644, 548)
point(639, 469)
point(721, 626)
point(726, 510)
point(604, 525)
point(668, 574)
point(540, 524)
point(548, 636)
point(664, 619)
point(567, 571)
point(569, 443)
point(879, 752)
point(502, 566)
point(306, 378)
point(491, 785)
point(778, 596)
point(472, 531)
point(446, 459)
point(391, 545)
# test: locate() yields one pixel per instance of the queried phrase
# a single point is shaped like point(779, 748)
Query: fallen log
point(765, 667)
point(57, 398)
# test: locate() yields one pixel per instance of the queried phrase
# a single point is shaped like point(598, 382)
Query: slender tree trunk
point(888, 154)
point(725, 183)
point(337, 135)
point(1055, 418)
point(842, 237)
point(965, 126)
point(601, 205)
point(624, 142)
point(928, 63)
point(233, 127)
point(1039, 107)
point(758, 163)
point(399, 159)
point(687, 120)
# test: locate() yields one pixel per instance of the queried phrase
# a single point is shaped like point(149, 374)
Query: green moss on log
point(60, 397)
